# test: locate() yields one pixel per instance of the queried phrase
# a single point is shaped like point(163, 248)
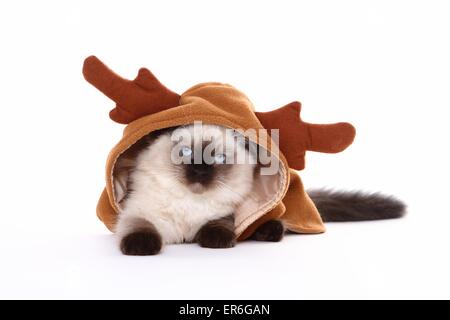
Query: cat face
point(205, 160)
point(208, 155)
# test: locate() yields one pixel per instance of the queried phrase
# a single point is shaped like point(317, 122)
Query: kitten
point(175, 193)
point(170, 201)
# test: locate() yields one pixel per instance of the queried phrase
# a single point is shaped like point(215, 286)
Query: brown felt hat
point(145, 105)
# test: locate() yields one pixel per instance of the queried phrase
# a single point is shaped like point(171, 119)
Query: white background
point(382, 65)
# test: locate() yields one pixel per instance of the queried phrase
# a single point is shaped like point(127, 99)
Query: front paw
point(272, 230)
point(141, 243)
point(213, 236)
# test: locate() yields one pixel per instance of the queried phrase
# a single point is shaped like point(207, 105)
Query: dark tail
point(339, 206)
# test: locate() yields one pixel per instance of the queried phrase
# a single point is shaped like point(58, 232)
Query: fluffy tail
point(339, 206)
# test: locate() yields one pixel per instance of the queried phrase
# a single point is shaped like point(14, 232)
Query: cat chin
point(197, 188)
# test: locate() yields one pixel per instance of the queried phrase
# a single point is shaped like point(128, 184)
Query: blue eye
point(186, 151)
point(220, 158)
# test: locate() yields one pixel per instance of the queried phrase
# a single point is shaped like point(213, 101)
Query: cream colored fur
point(160, 194)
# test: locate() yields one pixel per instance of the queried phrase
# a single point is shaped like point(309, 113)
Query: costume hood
point(145, 105)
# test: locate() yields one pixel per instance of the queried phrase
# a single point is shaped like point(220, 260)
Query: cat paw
point(216, 237)
point(272, 230)
point(141, 243)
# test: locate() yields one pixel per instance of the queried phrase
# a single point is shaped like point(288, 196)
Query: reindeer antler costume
point(145, 105)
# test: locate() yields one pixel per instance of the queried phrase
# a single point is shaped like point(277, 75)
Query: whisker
point(242, 197)
point(223, 184)
point(158, 174)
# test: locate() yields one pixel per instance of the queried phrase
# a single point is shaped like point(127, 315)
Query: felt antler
point(134, 99)
point(297, 136)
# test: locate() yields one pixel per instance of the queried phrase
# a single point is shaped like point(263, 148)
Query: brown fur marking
point(272, 230)
point(143, 241)
point(217, 233)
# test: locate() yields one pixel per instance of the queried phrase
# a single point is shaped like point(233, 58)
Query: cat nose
point(199, 173)
point(201, 168)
